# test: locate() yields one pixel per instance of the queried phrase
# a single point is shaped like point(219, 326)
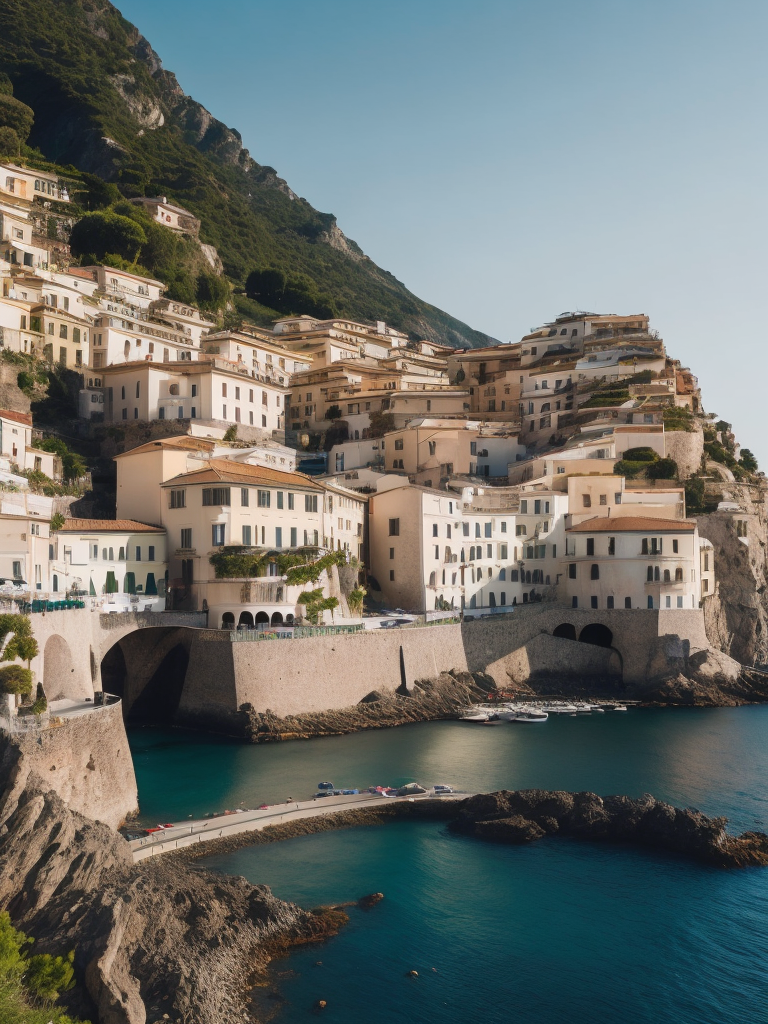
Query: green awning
point(91, 588)
point(111, 585)
point(129, 583)
point(151, 587)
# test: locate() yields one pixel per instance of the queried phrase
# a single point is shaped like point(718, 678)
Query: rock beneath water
point(515, 830)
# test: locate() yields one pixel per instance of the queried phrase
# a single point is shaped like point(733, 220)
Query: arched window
point(463, 559)
point(448, 555)
point(111, 554)
point(473, 602)
point(432, 579)
point(228, 620)
point(649, 574)
point(667, 577)
point(656, 574)
point(502, 574)
point(492, 599)
point(595, 572)
point(678, 575)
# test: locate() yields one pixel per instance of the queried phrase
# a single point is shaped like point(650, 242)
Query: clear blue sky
point(512, 159)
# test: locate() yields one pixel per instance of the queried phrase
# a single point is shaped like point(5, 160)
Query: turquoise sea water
point(559, 931)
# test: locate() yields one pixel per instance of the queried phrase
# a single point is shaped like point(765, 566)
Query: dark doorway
point(114, 671)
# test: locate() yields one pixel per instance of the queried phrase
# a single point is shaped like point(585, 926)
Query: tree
point(105, 231)
point(640, 455)
point(47, 976)
point(16, 115)
point(333, 413)
point(694, 494)
point(748, 461)
point(72, 463)
point(315, 604)
point(57, 522)
point(355, 600)
point(664, 469)
point(381, 424)
point(15, 679)
point(10, 143)
point(212, 291)
point(230, 434)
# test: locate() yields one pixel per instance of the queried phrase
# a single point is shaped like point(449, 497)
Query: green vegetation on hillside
point(97, 91)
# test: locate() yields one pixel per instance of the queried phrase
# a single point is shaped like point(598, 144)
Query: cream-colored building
point(636, 562)
point(170, 216)
point(16, 445)
point(211, 389)
point(436, 550)
point(258, 353)
point(432, 450)
point(120, 561)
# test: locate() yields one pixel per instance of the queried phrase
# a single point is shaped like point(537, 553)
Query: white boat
point(529, 715)
point(559, 709)
point(619, 707)
point(473, 716)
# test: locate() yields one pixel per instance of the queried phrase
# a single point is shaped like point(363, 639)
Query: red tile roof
point(108, 526)
point(19, 417)
point(241, 473)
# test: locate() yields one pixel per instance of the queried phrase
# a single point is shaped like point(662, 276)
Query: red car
point(263, 807)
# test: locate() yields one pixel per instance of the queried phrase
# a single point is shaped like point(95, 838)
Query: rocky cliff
point(151, 942)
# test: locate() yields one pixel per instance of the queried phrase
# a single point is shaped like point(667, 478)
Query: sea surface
point(559, 931)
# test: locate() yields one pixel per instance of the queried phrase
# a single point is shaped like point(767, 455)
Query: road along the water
point(189, 833)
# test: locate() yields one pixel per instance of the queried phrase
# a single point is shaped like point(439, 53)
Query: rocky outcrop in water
point(150, 940)
point(524, 816)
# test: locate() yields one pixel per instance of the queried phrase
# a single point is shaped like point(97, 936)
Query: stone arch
point(262, 617)
point(596, 633)
point(246, 619)
point(59, 676)
point(566, 630)
point(228, 620)
point(277, 618)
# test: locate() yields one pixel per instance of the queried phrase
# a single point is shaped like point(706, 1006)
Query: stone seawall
point(633, 651)
point(85, 760)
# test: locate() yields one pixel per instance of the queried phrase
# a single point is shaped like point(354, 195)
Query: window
point(593, 602)
point(160, 413)
point(594, 573)
point(667, 601)
point(504, 526)
point(138, 389)
point(150, 553)
point(391, 575)
point(294, 537)
point(223, 390)
point(186, 538)
point(488, 529)
point(520, 531)
point(706, 561)
point(263, 421)
point(217, 535)
point(291, 501)
point(138, 553)
point(574, 602)
point(122, 392)
point(437, 550)
point(465, 529)
point(704, 586)
point(278, 536)
point(194, 390)
point(477, 529)
point(398, 444)
point(603, 499)
point(216, 496)
point(245, 497)
point(391, 553)
point(178, 499)
point(675, 546)
point(394, 527)
point(432, 447)
point(237, 394)
point(679, 601)
point(76, 334)
point(644, 546)
point(310, 503)
point(586, 501)
point(503, 552)
point(524, 507)
point(590, 545)
point(609, 602)
point(611, 545)
point(434, 529)
point(17, 570)
point(571, 570)
point(263, 498)
point(649, 574)
point(617, 498)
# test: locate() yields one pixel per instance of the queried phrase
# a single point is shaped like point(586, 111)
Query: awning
point(129, 583)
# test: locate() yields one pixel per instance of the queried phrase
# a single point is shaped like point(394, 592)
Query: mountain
point(104, 104)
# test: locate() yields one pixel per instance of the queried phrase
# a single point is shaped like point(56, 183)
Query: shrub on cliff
point(30, 985)
point(15, 679)
point(663, 469)
point(105, 231)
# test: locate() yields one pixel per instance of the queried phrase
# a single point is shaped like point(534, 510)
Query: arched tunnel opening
point(566, 631)
point(159, 701)
point(147, 670)
point(597, 634)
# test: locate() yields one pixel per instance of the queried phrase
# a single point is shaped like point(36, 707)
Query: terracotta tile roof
point(226, 471)
point(108, 526)
point(19, 417)
point(182, 442)
point(632, 524)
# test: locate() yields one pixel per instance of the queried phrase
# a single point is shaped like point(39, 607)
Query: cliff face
point(150, 940)
point(737, 616)
point(86, 761)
